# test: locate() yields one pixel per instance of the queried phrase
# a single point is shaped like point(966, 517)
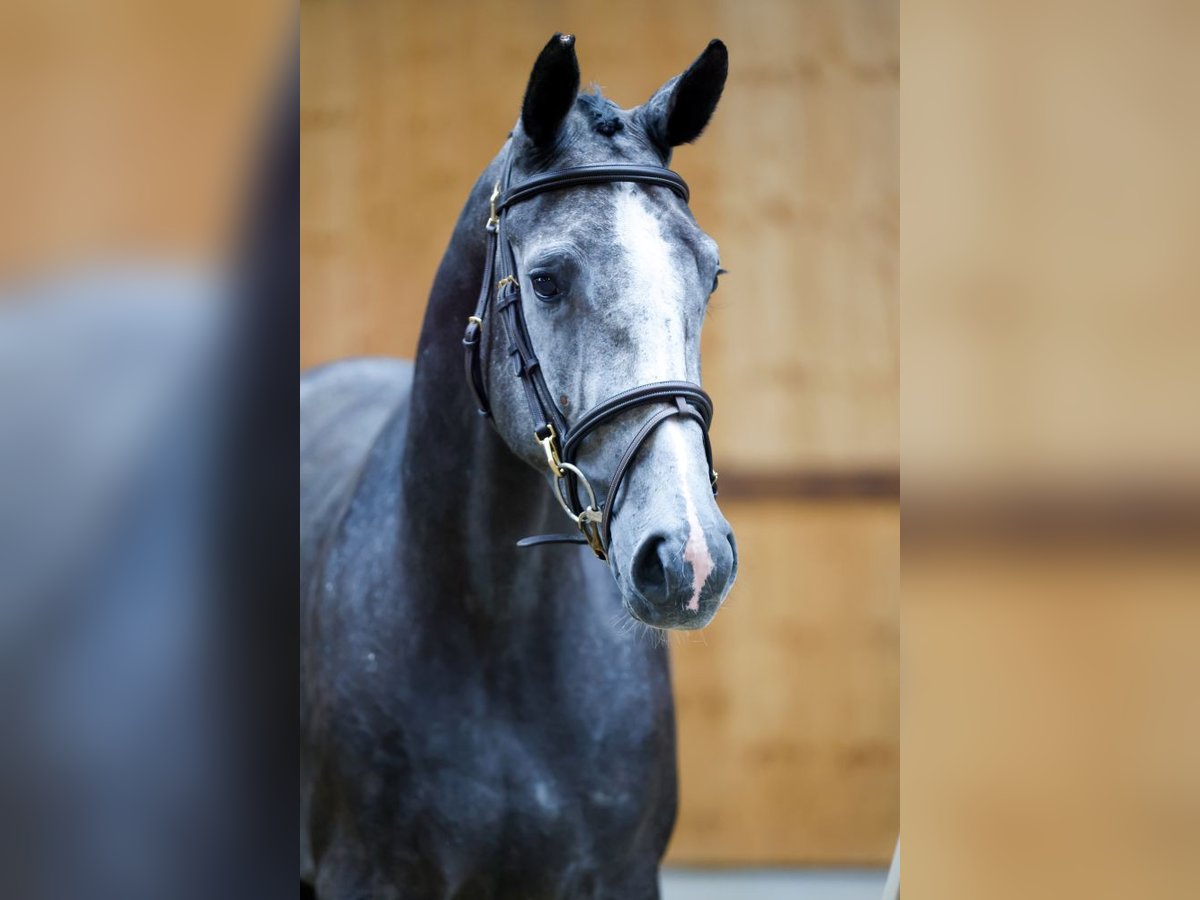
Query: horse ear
point(553, 84)
point(680, 109)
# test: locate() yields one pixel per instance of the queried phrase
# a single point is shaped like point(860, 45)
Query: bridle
point(560, 440)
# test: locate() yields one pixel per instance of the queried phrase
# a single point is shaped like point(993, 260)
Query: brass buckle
point(589, 526)
point(549, 445)
point(589, 519)
point(493, 221)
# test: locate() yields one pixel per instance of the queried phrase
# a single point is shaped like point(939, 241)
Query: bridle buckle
point(588, 520)
point(589, 526)
point(493, 221)
point(549, 444)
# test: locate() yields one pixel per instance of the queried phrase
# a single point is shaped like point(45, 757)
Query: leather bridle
point(560, 440)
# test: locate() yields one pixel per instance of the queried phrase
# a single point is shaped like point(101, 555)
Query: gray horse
point(477, 719)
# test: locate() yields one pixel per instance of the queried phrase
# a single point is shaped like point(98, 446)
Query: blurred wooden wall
point(788, 704)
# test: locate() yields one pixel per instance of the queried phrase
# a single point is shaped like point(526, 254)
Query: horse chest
point(529, 769)
point(529, 802)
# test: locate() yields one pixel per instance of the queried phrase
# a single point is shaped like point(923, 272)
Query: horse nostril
point(649, 571)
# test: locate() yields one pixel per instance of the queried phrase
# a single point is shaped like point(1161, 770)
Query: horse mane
point(604, 114)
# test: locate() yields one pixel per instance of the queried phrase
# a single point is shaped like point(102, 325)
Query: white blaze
point(661, 352)
point(656, 288)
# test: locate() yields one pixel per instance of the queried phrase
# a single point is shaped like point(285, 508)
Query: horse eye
point(717, 278)
point(544, 286)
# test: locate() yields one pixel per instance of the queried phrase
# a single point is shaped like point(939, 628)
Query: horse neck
point(467, 498)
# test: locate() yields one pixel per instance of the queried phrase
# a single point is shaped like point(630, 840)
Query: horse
point(480, 719)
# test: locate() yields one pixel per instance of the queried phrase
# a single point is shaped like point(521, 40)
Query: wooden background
point(789, 702)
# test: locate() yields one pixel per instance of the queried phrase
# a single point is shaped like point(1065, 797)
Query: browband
point(583, 175)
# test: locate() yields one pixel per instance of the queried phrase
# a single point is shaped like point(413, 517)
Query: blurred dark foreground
point(148, 297)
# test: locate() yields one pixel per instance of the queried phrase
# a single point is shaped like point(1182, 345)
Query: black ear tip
point(715, 55)
point(560, 46)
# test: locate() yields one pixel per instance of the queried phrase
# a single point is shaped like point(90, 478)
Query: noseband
point(560, 440)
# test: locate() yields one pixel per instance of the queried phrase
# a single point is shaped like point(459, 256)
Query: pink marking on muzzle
point(696, 553)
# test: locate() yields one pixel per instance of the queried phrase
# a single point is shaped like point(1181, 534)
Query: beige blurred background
point(789, 703)
point(1051, 444)
point(130, 129)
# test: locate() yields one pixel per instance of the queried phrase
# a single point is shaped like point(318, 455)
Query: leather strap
point(537, 540)
point(634, 397)
point(584, 175)
point(526, 365)
point(473, 353)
